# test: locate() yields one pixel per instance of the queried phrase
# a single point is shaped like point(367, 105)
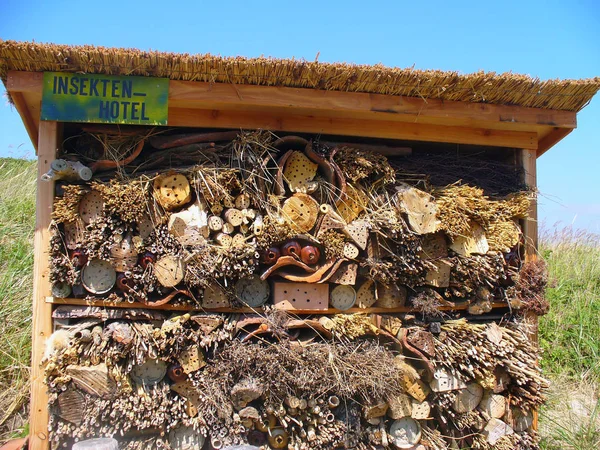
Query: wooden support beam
point(49, 140)
point(28, 120)
point(551, 139)
point(351, 127)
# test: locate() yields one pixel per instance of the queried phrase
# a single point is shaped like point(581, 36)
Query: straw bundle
point(479, 87)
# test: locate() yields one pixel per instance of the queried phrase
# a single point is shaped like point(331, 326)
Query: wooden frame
point(49, 140)
point(211, 105)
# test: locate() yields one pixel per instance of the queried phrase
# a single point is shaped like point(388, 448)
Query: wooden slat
point(351, 127)
point(49, 140)
point(168, 307)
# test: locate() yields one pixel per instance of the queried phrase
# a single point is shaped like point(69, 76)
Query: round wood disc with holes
point(298, 171)
point(172, 191)
point(150, 373)
point(468, 398)
point(186, 438)
point(91, 206)
point(350, 250)
point(300, 211)
point(169, 270)
point(342, 297)
point(238, 240)
point(214, 297)
point(252, 291)
point(365, 297)
point(405, 432)
point(98, 276)
point(242, 201)
point(123, 255)
point(234, 217)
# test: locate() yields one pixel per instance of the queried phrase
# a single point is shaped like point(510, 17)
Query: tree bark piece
point(420, 209)
point(93, 379)
point(71, 405)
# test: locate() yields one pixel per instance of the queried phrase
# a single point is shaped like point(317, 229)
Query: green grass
point(17, 221)
point(569, 334)
point(570, 340)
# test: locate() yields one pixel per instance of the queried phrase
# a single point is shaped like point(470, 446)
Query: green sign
point(74, 97)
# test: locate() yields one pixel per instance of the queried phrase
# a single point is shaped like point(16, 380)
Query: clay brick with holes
point(292, 296)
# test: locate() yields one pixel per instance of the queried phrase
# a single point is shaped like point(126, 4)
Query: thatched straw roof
point(480, 87)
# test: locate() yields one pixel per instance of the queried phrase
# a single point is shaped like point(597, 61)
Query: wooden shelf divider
point(168, 307)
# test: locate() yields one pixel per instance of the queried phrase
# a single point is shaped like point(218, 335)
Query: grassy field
point(569, 334)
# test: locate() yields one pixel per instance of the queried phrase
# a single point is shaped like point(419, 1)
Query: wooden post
point(530, 228)
point(530, 231)
point(49, 140)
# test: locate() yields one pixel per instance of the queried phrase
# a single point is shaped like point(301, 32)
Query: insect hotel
point(283, 254)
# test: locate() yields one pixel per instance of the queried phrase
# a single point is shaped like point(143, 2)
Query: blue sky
point(545, 39)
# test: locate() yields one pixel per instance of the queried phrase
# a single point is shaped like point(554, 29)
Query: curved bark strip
point(168, 298)
point(279, 187)
point(324, 166)
point(285, 261)
point(340, 180)
point(426, 362)
point(177, 140)
point(333, 270)
point(309, 278)
point(290, 143)
point(105, 164)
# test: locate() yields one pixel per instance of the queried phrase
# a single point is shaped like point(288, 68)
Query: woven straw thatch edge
point(479, 87)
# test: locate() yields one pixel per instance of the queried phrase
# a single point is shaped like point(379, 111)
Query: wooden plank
point(27, 117)
point(190, 94)
point(168, 307)
point(49, 140)
point(222, 96)
point(351, 127)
